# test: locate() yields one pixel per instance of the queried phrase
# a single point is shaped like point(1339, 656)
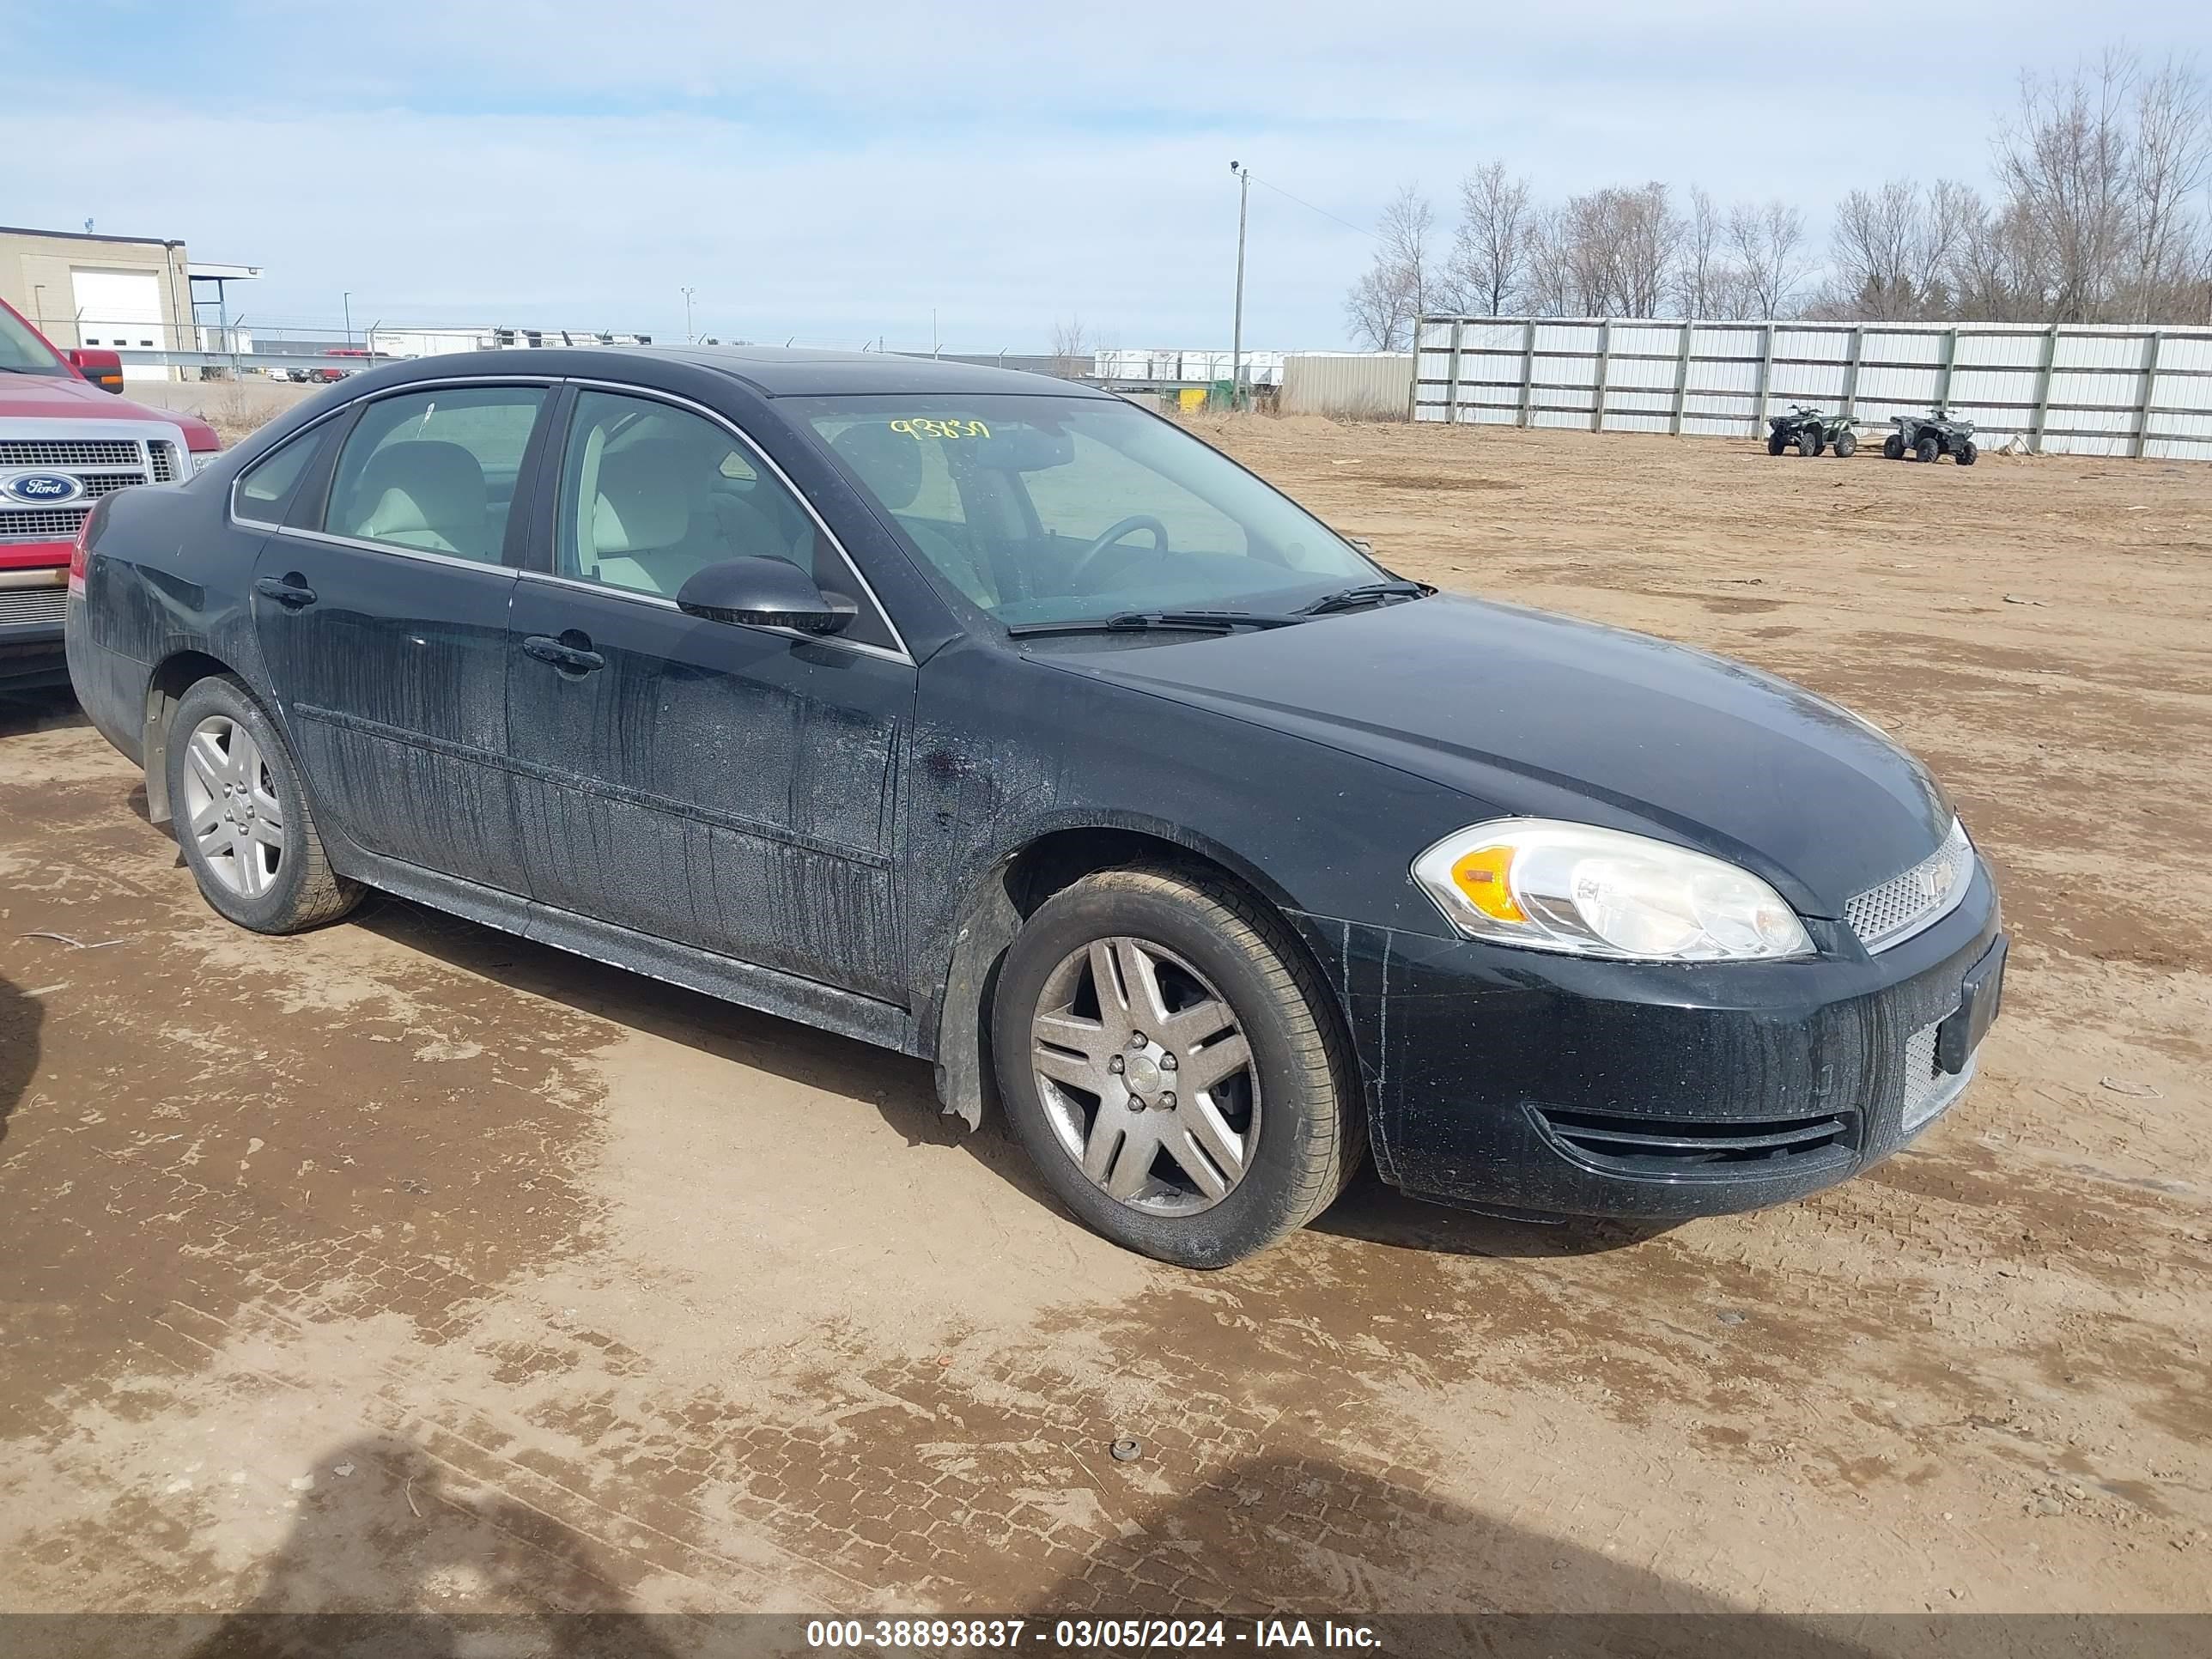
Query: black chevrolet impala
point(998, 721)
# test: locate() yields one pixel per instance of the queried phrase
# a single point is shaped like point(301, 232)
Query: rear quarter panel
point(166, 573)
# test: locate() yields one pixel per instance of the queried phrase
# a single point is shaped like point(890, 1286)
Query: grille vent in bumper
point(1649, 1145)
point(1916, 900)
point(32, 607)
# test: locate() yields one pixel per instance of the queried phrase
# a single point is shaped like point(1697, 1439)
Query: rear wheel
point(1168, 1062)
point(1893, 447)
point(1927, 450)
point(241, 816)
point(1847, 444)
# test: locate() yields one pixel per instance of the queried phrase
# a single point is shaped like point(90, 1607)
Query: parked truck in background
point(67, 438)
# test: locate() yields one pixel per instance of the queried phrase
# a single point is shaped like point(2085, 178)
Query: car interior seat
point(648, 533)
point(890, 463)
point(423, 493)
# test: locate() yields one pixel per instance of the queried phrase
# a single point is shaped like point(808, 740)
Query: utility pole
point(347, 302)
point(690, 336)
point(1236, 333)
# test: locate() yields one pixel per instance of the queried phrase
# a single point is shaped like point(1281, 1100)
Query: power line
point(1311, 208)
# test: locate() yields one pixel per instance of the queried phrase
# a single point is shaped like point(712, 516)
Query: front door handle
point(289, 590)
point(569, 658)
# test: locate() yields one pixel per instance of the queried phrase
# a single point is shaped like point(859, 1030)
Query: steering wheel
point(1113, 533)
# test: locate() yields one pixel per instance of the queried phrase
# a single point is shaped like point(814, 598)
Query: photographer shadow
point(378, 1549)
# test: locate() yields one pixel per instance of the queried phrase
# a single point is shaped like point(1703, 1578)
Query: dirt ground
point(406, 1264)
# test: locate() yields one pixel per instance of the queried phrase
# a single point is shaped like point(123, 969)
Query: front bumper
point(1529, 1083)
point(33, 592)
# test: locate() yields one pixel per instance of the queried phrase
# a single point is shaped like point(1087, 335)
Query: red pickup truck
point(64, 442)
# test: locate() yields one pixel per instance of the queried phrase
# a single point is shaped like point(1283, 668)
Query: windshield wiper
point(1139, 622)
point(1367, 594)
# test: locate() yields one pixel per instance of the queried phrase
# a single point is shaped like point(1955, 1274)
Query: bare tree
point(1070, 348)
point(1608, 253)
point(2167, 164)
point(1490, 249)
point(1768, 244)
point(1386, 303)
point(1704, 282)
point(2064, 161)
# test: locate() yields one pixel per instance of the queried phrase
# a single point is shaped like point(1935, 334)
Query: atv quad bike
point(1812, 432)
point(1925, 437)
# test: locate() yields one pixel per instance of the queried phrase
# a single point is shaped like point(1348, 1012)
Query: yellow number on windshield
point(921, 427)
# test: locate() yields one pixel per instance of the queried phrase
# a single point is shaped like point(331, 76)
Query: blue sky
point(837, 173)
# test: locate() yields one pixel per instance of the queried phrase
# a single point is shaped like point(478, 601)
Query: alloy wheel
point(1146, 1076)
point(230, 801)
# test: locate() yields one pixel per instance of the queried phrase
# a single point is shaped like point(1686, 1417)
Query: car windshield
point(1044, 510)
point(22, 352)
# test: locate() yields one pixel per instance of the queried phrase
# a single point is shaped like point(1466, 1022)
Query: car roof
point(771, 371)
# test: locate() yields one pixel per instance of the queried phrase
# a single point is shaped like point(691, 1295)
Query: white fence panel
point(2085, 390)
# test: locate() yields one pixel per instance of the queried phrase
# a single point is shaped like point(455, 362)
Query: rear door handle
point(287, 590)
point(569, 658)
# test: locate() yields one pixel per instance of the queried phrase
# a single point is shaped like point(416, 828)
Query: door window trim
point(897, 652)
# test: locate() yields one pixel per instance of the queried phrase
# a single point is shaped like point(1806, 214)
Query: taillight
point(81, 556)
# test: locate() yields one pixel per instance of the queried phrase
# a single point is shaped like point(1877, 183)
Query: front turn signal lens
point(1484, 877)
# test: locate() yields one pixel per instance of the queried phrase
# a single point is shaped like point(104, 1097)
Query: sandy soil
point(406, 1264)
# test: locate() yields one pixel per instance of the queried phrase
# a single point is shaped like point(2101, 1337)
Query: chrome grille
point(164, 462)
point(43, 524)
point(1920, 897)
point(97, 484)
point(24, 607)
point(1927, 1091)
point(70, 452)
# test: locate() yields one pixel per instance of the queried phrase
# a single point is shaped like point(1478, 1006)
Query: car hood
point(63, 398)
point(1531, 714)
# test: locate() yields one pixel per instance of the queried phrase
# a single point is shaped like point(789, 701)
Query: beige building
point(86, 290)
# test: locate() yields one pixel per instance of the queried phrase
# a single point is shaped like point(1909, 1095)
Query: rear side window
point(262, 490)
point(434, 471)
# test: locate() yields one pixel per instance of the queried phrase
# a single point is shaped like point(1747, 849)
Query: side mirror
point(103, 368)
point(766, 593)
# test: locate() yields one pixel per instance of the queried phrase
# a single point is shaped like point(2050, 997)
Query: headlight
point(1593, 892)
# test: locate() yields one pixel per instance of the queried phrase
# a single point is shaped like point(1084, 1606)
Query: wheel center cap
point(1143, 1075)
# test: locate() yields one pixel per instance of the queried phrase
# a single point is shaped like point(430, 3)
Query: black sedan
point(996, 721)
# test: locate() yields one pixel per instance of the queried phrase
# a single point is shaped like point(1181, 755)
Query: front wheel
point(1169, 1060)
point(1967, 452)
point(1847, 444)
point(242, 816)
point(1926, 451)
point(1808, 442)
point(1775, 443)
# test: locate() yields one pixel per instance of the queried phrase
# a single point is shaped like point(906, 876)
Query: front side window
point(651, 494)
point(1042, 509)
point(434, 470)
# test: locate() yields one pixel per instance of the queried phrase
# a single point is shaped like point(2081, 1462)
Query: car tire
point(1967, 452)
point(1292, 1113)
point(1893, 447)
point(1775, 443)
point(1846, 446)
point(1926, 451)
point(229, 769)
